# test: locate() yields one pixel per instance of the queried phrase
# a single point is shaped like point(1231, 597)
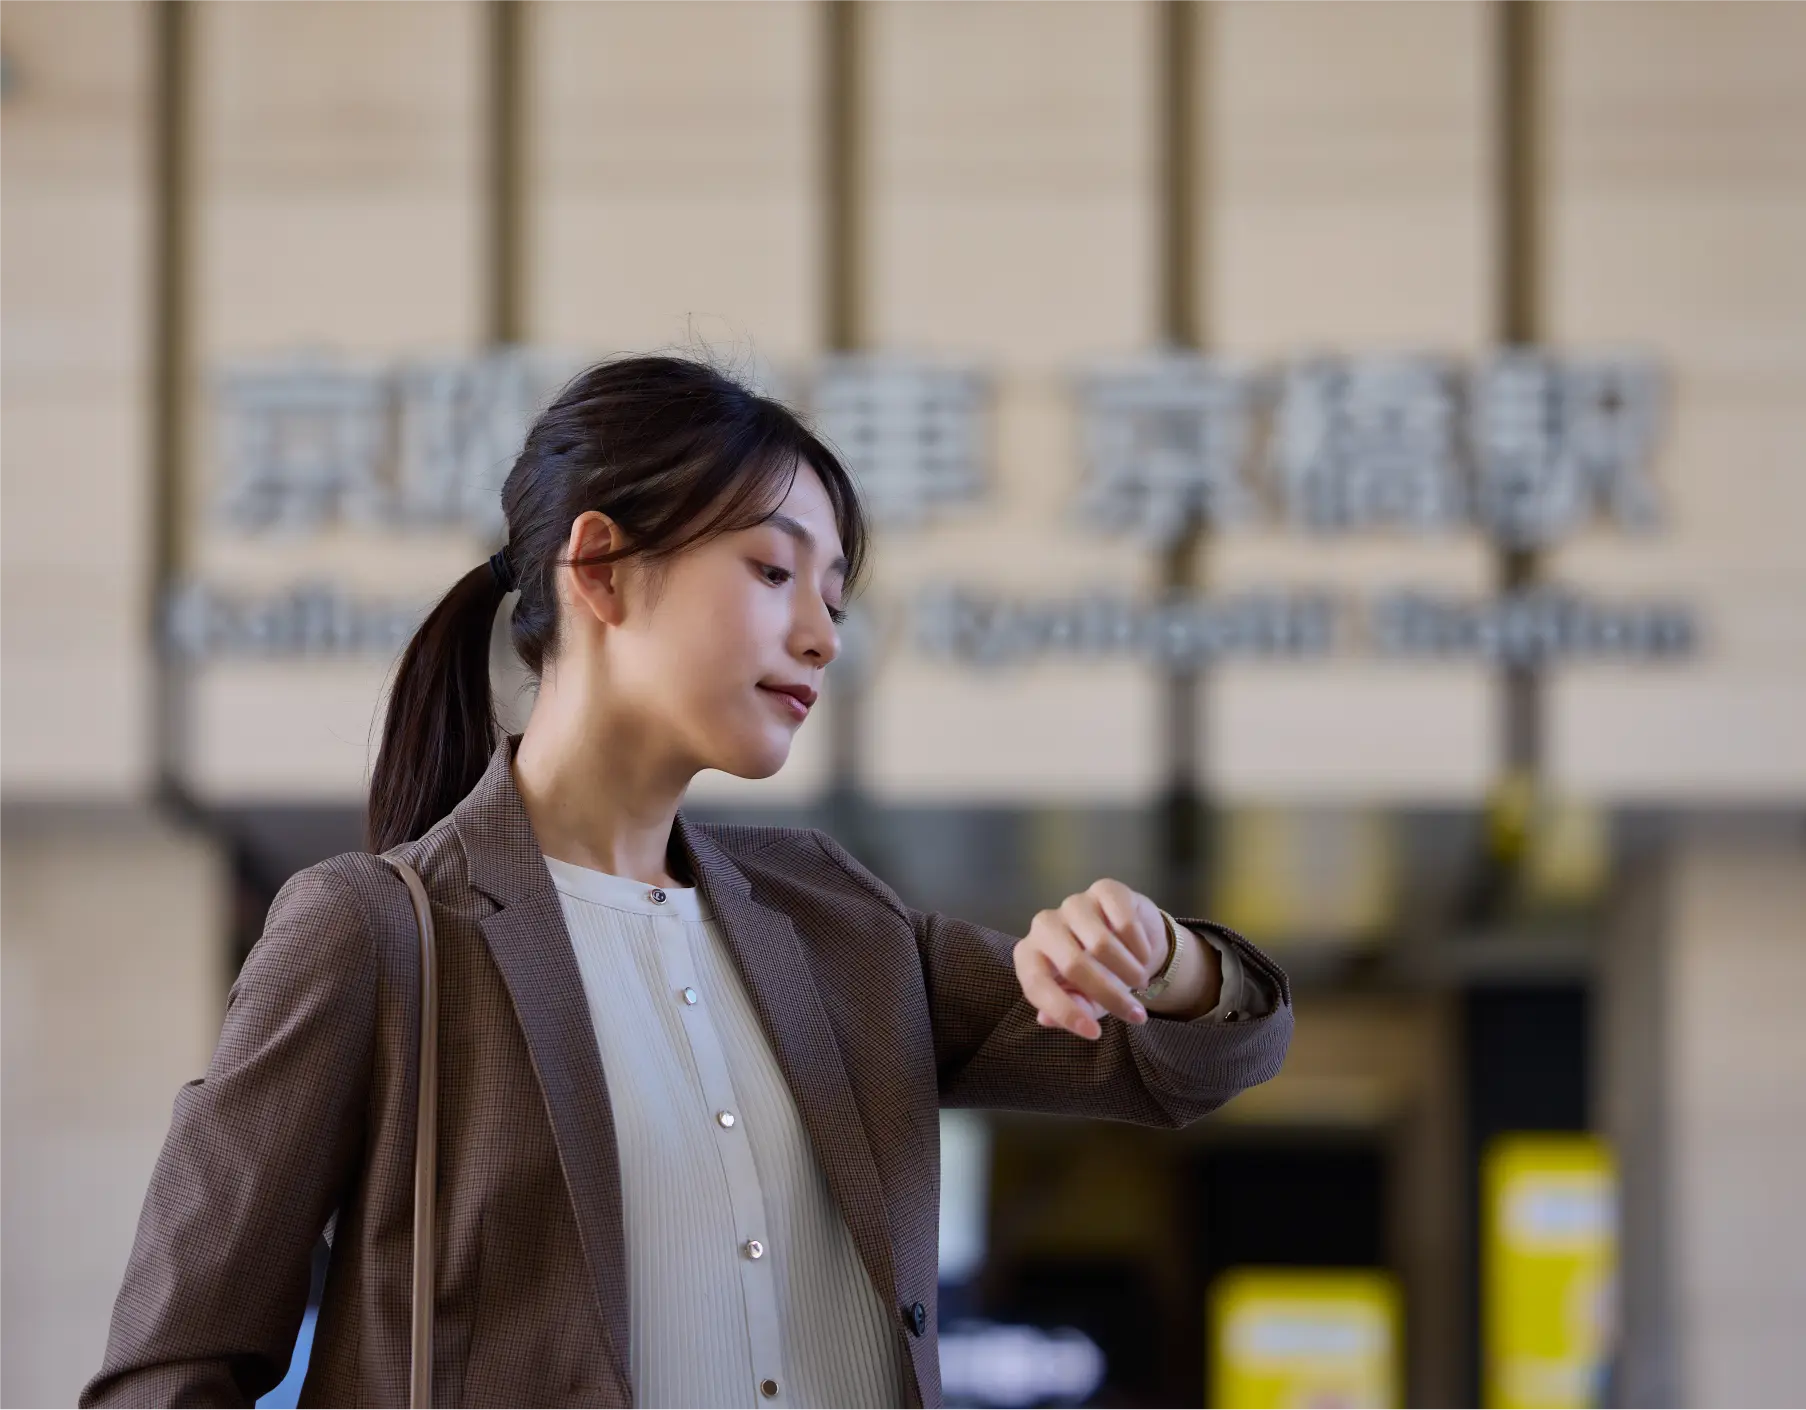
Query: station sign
point(1524, 447)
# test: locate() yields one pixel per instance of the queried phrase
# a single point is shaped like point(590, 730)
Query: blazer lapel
point(772, 964)
point(532, 949)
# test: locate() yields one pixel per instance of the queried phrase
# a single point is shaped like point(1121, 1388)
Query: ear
point(595, 589)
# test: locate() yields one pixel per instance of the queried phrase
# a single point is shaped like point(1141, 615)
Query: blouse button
point(689, 996)
point(768, 1386)
point(726, 1118)
point(656, 896)
point(755, 1249)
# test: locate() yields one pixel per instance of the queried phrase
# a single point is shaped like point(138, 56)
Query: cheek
point(717, 656)
point(714, 633)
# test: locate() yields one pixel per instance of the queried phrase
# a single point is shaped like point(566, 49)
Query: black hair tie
point(502, 566)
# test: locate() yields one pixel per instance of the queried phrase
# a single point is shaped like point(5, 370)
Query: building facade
point(1008, 198)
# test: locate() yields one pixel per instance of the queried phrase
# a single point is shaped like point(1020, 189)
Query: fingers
point(1073, 984)
point(1079, 962)
point(1108, 946)
point(1086, 972)
point(1123, 910)
point(1056, 1005)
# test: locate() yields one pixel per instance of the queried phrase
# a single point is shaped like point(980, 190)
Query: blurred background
point(1340, 469)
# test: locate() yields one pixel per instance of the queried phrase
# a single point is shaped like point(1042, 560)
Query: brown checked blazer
point(878, 1014)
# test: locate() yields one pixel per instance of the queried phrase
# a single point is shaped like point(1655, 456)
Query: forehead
point(806, 515)
point(807, 498)
point(806, 502)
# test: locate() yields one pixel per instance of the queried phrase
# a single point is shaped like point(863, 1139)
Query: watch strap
point(1175, 941)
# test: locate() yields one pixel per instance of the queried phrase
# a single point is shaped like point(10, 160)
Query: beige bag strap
point(426, 1148)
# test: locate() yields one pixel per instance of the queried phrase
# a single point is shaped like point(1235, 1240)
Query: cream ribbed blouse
point(744, 1284)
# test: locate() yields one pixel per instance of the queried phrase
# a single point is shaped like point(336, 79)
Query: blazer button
point(918, 1318)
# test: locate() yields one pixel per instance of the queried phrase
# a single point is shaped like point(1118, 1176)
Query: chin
point(759, 761)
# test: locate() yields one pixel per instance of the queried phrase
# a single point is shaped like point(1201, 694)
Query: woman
point(689, 1074)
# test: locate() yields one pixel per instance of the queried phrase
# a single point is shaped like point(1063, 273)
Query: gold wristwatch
point(1175, 939)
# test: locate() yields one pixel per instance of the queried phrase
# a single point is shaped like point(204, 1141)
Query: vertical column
point(115, 932)
point(170, 252)
point(1736, 1120)
point(1012, 208)
point(1350, 209)
point(1633, 990)
point(1182, 27)
point(505, 104)
point(843, 150)
point(843, 153)
point(1519, 120)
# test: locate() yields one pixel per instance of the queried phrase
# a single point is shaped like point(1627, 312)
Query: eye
point(836, 615)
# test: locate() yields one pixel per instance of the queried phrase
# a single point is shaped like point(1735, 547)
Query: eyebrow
point(785, 524)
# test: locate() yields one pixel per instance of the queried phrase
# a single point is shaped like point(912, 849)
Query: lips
point(795, 698)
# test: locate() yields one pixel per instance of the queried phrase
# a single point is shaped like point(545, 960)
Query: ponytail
point(440, 728)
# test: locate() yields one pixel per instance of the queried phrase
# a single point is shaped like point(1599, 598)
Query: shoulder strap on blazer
point(426, 1124)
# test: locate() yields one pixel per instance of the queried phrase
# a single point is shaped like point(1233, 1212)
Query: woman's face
point(704, 659)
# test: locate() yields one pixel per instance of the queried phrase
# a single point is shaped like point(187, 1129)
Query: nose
point(817, 638)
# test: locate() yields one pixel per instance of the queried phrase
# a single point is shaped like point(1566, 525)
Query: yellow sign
point(1550, 1241)
point(1299, 1337)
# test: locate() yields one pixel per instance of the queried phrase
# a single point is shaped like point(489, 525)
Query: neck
point(600, 792)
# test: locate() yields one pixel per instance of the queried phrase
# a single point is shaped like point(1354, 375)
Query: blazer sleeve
point(259, 1151)
point(990, 1052)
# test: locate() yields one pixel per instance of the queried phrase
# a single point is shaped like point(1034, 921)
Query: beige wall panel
point(1011, 215)
point(1350, 732)
point(307, 732)
point(1057, 730)
point(1346, 206)
point(674, 176)
point(112, 998)
point(77, 722)
point(1646, 737)
point(1046, 734)
point(292, 731)
point(73, 398)
point(339, 186)
point(75, 691)
point(1012, 197)
point(1347, 151)
point(414, 566)
point(1738, 1117)
point(1677, 211)
point(1025, 535)
point(339, 167)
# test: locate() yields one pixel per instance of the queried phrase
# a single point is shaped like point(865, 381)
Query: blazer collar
point(532, 949)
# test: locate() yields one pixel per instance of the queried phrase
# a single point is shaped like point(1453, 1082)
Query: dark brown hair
point(674, 451)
